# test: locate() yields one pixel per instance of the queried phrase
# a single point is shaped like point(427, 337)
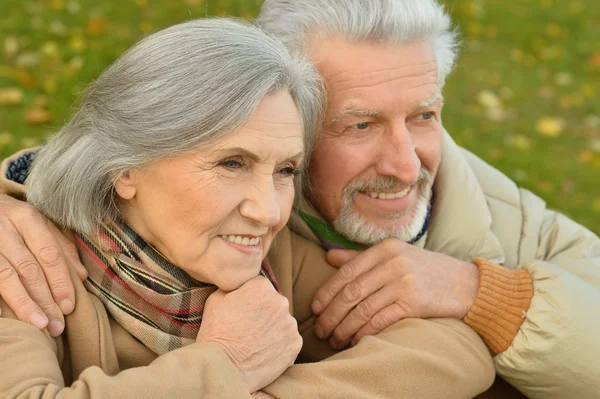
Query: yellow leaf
point(40, 101)
point(550, 127)
point(50, 49)
point(77, 43)
point(25, 78)
point(11, 96)
point(11, 46)
point(50, 85)
point(597, 206)
point(520, 142)
point(37, 115)
point(489, 99)
point(588, 90)
point(553, 30)
point(141, 3)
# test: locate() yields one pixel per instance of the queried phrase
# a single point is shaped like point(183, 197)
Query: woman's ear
point(125, 185)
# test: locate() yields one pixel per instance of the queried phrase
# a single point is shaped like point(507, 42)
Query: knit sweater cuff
point(501, 304)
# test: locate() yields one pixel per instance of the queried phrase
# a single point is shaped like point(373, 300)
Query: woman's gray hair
point(297, 22)
point(175, 91)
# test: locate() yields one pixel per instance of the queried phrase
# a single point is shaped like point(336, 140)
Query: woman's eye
point(231, 164)
point(289, 171)
point(361, 126)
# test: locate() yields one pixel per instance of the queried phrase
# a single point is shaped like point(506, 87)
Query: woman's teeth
point(243, 240)
point(399, 194)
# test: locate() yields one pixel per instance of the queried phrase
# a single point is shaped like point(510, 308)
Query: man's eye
point(361, 126)
point(427, 115)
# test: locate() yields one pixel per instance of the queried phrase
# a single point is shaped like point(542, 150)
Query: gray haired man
point(442, 233)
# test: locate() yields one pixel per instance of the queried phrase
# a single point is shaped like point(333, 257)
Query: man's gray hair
point(175, 91)
point(297, 22)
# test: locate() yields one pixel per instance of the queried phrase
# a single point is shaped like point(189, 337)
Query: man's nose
point(261, 206)
point(398, 156)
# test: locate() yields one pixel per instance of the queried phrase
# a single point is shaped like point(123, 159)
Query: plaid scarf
point(151, 298)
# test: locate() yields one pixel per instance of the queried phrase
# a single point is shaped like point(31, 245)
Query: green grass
point(525, 95)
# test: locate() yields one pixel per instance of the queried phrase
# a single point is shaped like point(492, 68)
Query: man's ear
point(125, 185)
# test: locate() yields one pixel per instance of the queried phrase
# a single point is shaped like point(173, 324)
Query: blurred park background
point(525, 95)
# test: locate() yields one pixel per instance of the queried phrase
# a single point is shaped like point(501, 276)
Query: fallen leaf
point(27, 60)
point(519, 142)
point(489, 99)
point(597, 206)
point(11, 46)
point(595, 60)
point(563, 78)
point(25, 78)
point(50, 49)
point(11, 96)
point(40, 101)
point(58, 4)
point(96, 26)
point(585, 157)
point(36, 116)
point(77, 43)
point(546, 92)
point(550, 127)
point(73, 7)
point(554, 30)
point(57, 28)
point(593, 121)
point(50, 85)
point(76, 63)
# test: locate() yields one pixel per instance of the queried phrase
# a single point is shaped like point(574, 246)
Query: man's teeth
point(242, 240)
point(399, 194)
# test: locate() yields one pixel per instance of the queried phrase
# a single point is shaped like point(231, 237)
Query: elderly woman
point(172, 179)
point(174, 176)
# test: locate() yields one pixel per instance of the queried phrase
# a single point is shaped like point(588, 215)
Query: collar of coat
point(460, 224)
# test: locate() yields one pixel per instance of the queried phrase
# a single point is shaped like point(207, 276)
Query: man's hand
point(254, 328)
point(386, 283)
point(34, 276)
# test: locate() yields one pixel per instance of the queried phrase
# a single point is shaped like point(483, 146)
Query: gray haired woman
point(173, 178)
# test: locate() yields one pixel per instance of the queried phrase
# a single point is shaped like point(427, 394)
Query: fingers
point(353, 294)
point(380, 321)
point(36, 232)
point(337, 257)
point(69, 250)
point(17, 298)
point(358, 265)
point(27, 281)
point(360, 316)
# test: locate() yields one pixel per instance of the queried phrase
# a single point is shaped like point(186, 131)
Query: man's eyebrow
point(355, 112)
point(428, 103)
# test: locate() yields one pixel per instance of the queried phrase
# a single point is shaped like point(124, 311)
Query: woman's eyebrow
point(254, 157)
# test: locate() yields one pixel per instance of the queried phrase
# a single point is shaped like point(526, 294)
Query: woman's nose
point(262, 206)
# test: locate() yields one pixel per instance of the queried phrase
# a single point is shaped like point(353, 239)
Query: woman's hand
point(254, 328)
point(34, 276)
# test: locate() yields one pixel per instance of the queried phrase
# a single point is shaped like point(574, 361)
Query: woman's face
point(214, 213)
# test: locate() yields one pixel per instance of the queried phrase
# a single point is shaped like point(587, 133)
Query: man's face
point(379, 149)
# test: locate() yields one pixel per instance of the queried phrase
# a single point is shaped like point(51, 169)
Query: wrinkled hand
point(254, 328)
point(34, 276)
point(386, 283)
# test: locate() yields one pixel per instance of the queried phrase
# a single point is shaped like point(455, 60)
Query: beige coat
point(97, 358)
point(479, 212)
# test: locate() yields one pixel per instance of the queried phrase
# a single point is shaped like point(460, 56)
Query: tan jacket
point(97, 358)
point(479, 212)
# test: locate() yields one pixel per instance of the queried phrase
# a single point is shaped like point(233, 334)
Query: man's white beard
point(354, 227)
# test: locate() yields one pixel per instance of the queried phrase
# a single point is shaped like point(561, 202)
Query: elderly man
point(419, 227)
